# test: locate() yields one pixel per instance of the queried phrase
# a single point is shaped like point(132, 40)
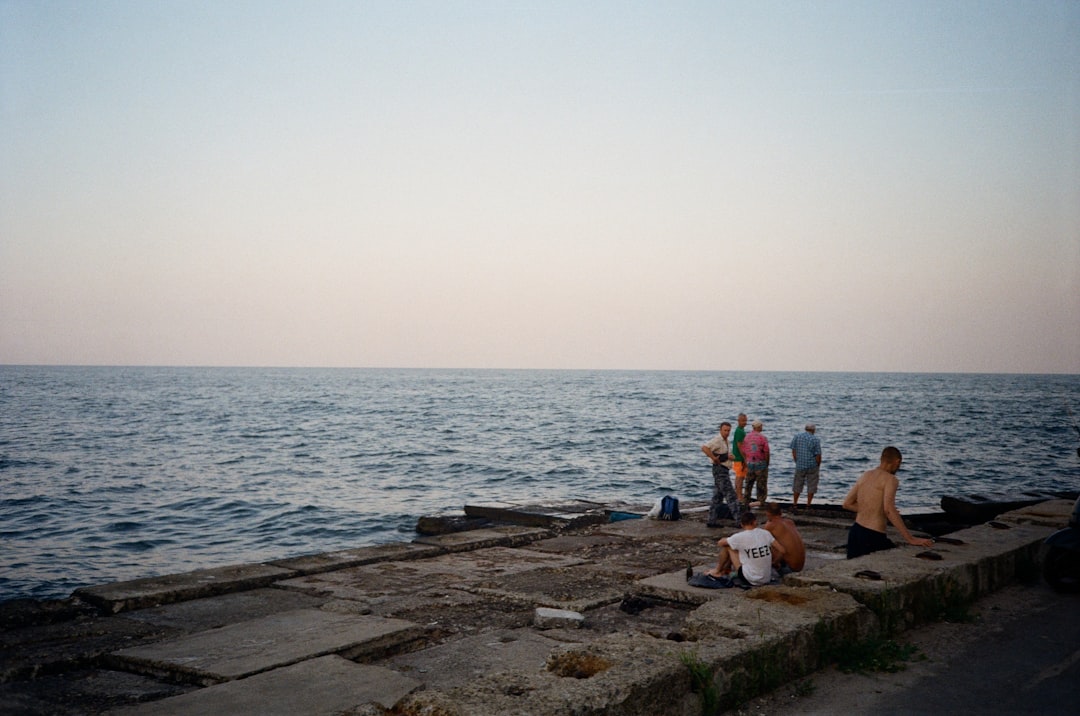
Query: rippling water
point(116, 473)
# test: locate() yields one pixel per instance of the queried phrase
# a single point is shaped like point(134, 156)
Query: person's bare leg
point(723, 566)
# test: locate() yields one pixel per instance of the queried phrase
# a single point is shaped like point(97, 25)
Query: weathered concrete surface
point(488, 537)
point(615, 674)
point(466, 614)
point(83, 691)
point(569, 515)
point(326, 686)
point(251, 647)
point(376, 583)
point(37, 650)
point(154, 591)
point(749, 640)
point(460, 663)
point(1054, 513)
point(548, 618)
point(911, 589)
point(211, 612)
point(343, 559)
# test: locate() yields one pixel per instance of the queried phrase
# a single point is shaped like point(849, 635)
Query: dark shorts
point(862, 540)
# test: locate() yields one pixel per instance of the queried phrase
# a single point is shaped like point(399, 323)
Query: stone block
point(548, 618)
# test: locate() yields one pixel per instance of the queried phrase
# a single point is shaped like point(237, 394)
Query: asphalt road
point(1021, 654)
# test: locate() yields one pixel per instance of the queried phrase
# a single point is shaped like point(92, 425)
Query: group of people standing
point(748, 455)
point(871, 498)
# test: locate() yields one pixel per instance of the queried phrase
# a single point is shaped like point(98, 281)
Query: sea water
point(111, 474)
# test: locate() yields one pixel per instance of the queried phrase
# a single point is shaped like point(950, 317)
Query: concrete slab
point(574, 514)
point(579, 544)
point(1055, 514)
point(246, 648)
point(615, 674)
point(910, 590)
point(746, 643)
point(672, 586)
point(678, 530)
point(480, 539)
point(82, 692)
point(211, 612)
point(575, 588)
point(326, 686)
point(374, 583)
point(444, 613)
point(343, 559)
point(778, 610)
point(32, 651)
point(155, 591)
point(634, 558)
point(461, 662)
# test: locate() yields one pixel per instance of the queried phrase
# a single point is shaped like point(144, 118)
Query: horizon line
point(194, 366)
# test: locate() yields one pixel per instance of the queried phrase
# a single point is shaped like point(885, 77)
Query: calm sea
point(111, 474)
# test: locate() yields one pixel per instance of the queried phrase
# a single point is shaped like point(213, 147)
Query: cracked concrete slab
point(155, 591)
point(343, 559)
point(489, 537)
point(575, 588)
point(324, 686)
point(460, 662)
point(375, 582)
point(223, 609)
point(246, 648)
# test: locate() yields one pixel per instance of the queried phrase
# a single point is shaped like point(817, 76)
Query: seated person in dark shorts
point(873, 500)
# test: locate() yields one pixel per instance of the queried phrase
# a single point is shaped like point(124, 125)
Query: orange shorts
point(740, 469)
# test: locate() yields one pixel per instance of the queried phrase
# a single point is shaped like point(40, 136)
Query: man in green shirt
point(736, 453)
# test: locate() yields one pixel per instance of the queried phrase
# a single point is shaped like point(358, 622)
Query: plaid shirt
point(807, 448)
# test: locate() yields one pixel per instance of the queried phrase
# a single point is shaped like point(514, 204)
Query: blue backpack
point(669, 508)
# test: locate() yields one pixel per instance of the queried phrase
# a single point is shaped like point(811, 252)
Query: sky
point(818, 186)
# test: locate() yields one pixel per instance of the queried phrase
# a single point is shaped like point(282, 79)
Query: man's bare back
point(869, 498)
point(873, 500)
point(785, 532)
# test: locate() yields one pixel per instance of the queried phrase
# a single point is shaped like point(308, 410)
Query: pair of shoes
point(707, 581)
point(713, 525)
point(740, 581)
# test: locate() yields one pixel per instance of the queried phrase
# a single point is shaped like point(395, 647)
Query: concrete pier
point(564, 612)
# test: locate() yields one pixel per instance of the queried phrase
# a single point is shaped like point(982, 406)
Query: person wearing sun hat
point(756, 451)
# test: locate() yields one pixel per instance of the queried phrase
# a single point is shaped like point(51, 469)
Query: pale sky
point(866, 186)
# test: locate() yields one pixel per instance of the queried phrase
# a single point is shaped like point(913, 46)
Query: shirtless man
point(873, 500)
point(785, 532)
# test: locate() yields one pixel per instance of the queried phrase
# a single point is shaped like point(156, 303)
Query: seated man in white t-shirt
point(749, 551)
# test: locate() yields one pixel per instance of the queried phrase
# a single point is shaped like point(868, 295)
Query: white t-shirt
point(755, 553)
